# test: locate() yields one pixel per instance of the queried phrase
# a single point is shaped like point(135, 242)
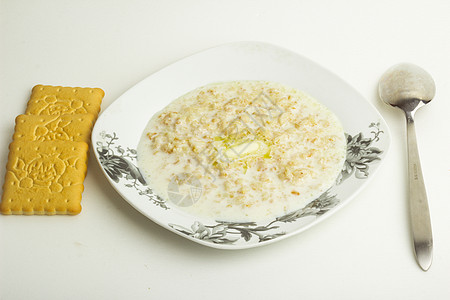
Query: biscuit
point(44, 177)
point(75, 128)
point(57, 100)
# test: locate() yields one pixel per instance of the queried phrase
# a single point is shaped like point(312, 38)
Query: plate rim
point(166, 225)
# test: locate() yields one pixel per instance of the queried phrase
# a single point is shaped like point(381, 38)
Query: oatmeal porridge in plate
point(242, 150)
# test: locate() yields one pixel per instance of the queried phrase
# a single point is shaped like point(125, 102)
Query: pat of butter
point(252, 148)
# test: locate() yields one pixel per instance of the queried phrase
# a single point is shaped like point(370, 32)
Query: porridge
point(246, 150)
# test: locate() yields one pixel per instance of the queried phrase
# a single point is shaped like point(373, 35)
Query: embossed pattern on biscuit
point(57, 100)
point(54, 128)
point(47, 162)
point(44, 177)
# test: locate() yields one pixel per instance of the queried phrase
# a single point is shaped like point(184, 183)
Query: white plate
point(118, 130)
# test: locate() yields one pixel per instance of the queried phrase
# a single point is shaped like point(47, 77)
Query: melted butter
point(247, 149)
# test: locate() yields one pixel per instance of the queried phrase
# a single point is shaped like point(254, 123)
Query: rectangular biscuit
point(75, 128)
point(44, 178)
point(57, 100)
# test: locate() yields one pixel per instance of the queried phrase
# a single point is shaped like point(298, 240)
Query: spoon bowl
point(408, 87)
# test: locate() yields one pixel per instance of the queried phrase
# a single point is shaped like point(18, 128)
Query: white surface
point(111, 251)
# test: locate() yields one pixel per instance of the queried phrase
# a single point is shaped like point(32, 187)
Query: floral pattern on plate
point(119, 163)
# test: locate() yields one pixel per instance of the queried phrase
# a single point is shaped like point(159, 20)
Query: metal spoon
point(409, 87)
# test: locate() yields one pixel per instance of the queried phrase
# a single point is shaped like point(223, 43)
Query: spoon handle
point(419, 211)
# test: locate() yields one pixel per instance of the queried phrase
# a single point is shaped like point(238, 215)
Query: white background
point(110, 251)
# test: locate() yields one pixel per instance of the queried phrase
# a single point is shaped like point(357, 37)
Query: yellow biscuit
point(57, 100)
point(44, 178)
point(54, 128)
